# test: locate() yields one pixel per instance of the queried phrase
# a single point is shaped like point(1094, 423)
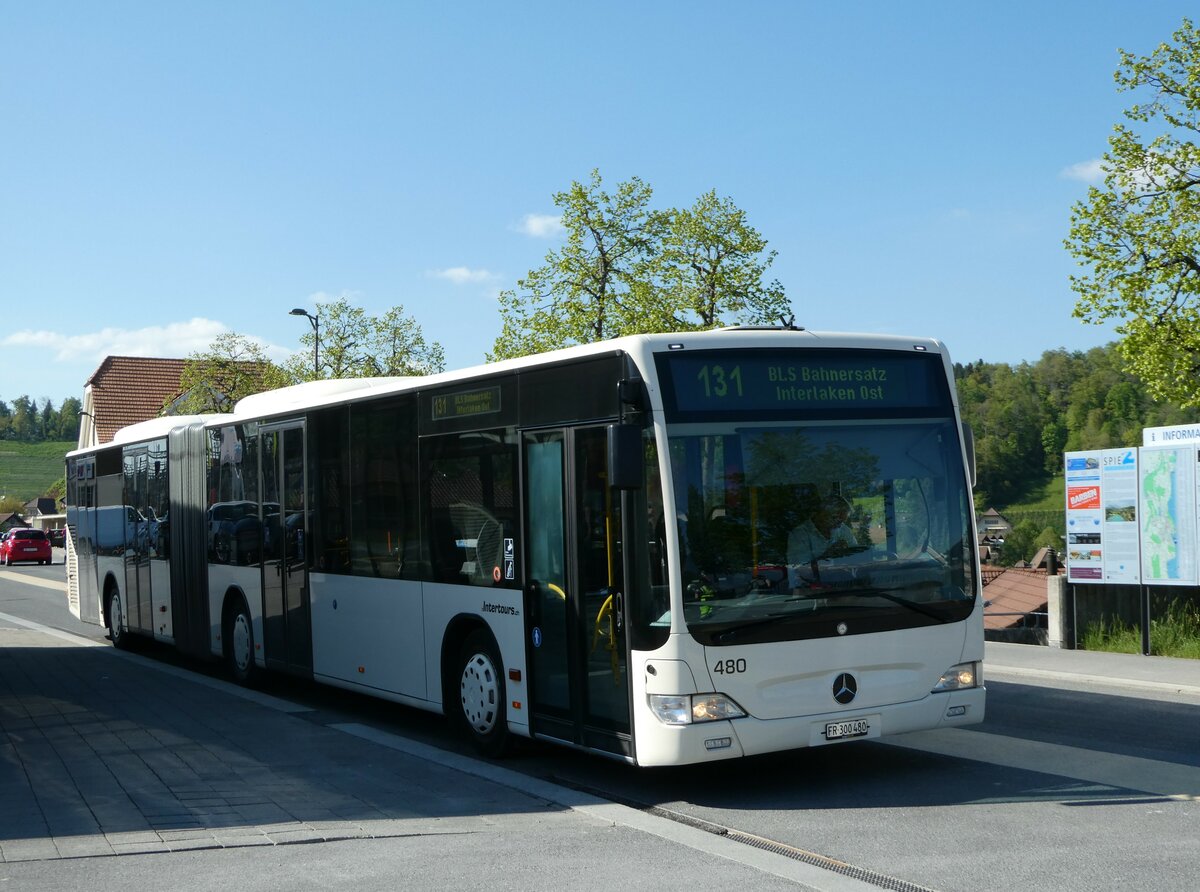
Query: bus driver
point(823, 533)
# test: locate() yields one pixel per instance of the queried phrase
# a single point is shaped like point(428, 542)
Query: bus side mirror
point(625, 456)
point(969, 442)
point(632, 393)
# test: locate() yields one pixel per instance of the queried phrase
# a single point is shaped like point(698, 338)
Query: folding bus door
point(139, 612)
point(287, 625)
point(574, 590)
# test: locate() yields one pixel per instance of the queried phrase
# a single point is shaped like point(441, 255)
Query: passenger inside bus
point(823, 533)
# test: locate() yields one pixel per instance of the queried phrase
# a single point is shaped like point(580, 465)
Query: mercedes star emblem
point(844, 688)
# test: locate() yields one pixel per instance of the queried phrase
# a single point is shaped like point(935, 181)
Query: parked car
point(58, 538)
point(25, 545)
point(235, 532)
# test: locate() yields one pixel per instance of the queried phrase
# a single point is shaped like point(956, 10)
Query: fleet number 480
point(729, 667)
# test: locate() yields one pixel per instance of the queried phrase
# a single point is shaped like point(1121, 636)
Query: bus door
point(283, 512)
point(138, 612)
point(574, 591)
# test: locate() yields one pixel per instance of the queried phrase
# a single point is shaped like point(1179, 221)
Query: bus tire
point(480, 691)
point(239, 643)
point(117, 633)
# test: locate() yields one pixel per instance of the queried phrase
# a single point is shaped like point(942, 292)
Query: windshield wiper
point(914, 606)
point(770, 618)
point(827, 594)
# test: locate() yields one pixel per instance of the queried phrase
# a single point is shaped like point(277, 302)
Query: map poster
point(1167, 515)
point(1085, 517)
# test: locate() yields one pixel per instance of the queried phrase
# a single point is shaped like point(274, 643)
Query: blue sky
point(175, 170)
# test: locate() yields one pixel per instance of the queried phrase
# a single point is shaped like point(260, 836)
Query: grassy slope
point(1045, 506)
point(27, 470)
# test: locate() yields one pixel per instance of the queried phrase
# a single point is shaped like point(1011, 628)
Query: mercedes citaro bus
point(668, 549)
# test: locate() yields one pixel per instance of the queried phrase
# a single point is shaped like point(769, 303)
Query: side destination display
point(481, 401)
point(790, 380)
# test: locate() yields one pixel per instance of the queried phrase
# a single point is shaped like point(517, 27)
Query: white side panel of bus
point(501, 609)
point(223, 577)
point(368, 631)
point(160, 600)
point(107, 565)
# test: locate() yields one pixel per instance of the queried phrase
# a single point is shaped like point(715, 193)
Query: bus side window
point(445, 556)
point(470, 481)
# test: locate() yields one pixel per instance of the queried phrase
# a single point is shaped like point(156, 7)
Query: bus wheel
point(481, 694)
point(239, 644)
point(116, 620)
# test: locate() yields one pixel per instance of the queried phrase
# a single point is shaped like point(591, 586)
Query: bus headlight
point(960, 677)
point(684, 709)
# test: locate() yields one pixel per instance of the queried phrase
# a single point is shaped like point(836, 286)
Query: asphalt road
point(1067, 785)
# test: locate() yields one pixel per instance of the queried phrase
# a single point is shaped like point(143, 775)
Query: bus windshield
point(820, 529)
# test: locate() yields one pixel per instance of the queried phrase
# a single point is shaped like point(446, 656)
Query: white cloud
point(176, 339)
point(1091, 171)
point(542, 225)
point(461, 275)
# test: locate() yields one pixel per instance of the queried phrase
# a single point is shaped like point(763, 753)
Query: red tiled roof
point(1015, 592)
point(129, 389)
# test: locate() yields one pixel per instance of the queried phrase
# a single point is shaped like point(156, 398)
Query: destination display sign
point(465, 403)
point(791, 380)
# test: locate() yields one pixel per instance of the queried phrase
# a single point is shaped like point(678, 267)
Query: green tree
point(68, 419)
point(58, 490)
point(1019, 544)
point(355, 344)
point(627, 268)
point(1139, 235)
point(24, 425)
point(232, 367)
point(711, 266)
point(400, 347)
point(594, 287)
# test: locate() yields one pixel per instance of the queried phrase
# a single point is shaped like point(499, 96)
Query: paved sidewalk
point(1164, 675)
point(105, 754)
point(99, 756)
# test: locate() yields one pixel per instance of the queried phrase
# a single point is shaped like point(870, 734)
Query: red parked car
point(25, 545)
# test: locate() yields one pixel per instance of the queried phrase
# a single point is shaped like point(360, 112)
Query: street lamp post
point(315, 321)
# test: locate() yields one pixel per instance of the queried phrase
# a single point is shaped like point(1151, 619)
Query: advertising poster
point(1167, 515)
point(1120, 530)
point(1085, 517)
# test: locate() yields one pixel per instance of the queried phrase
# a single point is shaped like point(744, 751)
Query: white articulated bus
point(668, 549)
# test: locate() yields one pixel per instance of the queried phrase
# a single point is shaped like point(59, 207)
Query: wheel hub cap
point(480, 692)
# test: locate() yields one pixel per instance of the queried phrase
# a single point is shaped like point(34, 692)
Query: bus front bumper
point(661, 744)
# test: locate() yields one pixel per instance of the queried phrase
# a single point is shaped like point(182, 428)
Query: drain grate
point(863, 874)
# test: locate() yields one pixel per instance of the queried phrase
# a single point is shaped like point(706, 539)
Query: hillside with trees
point(25, 421)
point(1026, 416)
